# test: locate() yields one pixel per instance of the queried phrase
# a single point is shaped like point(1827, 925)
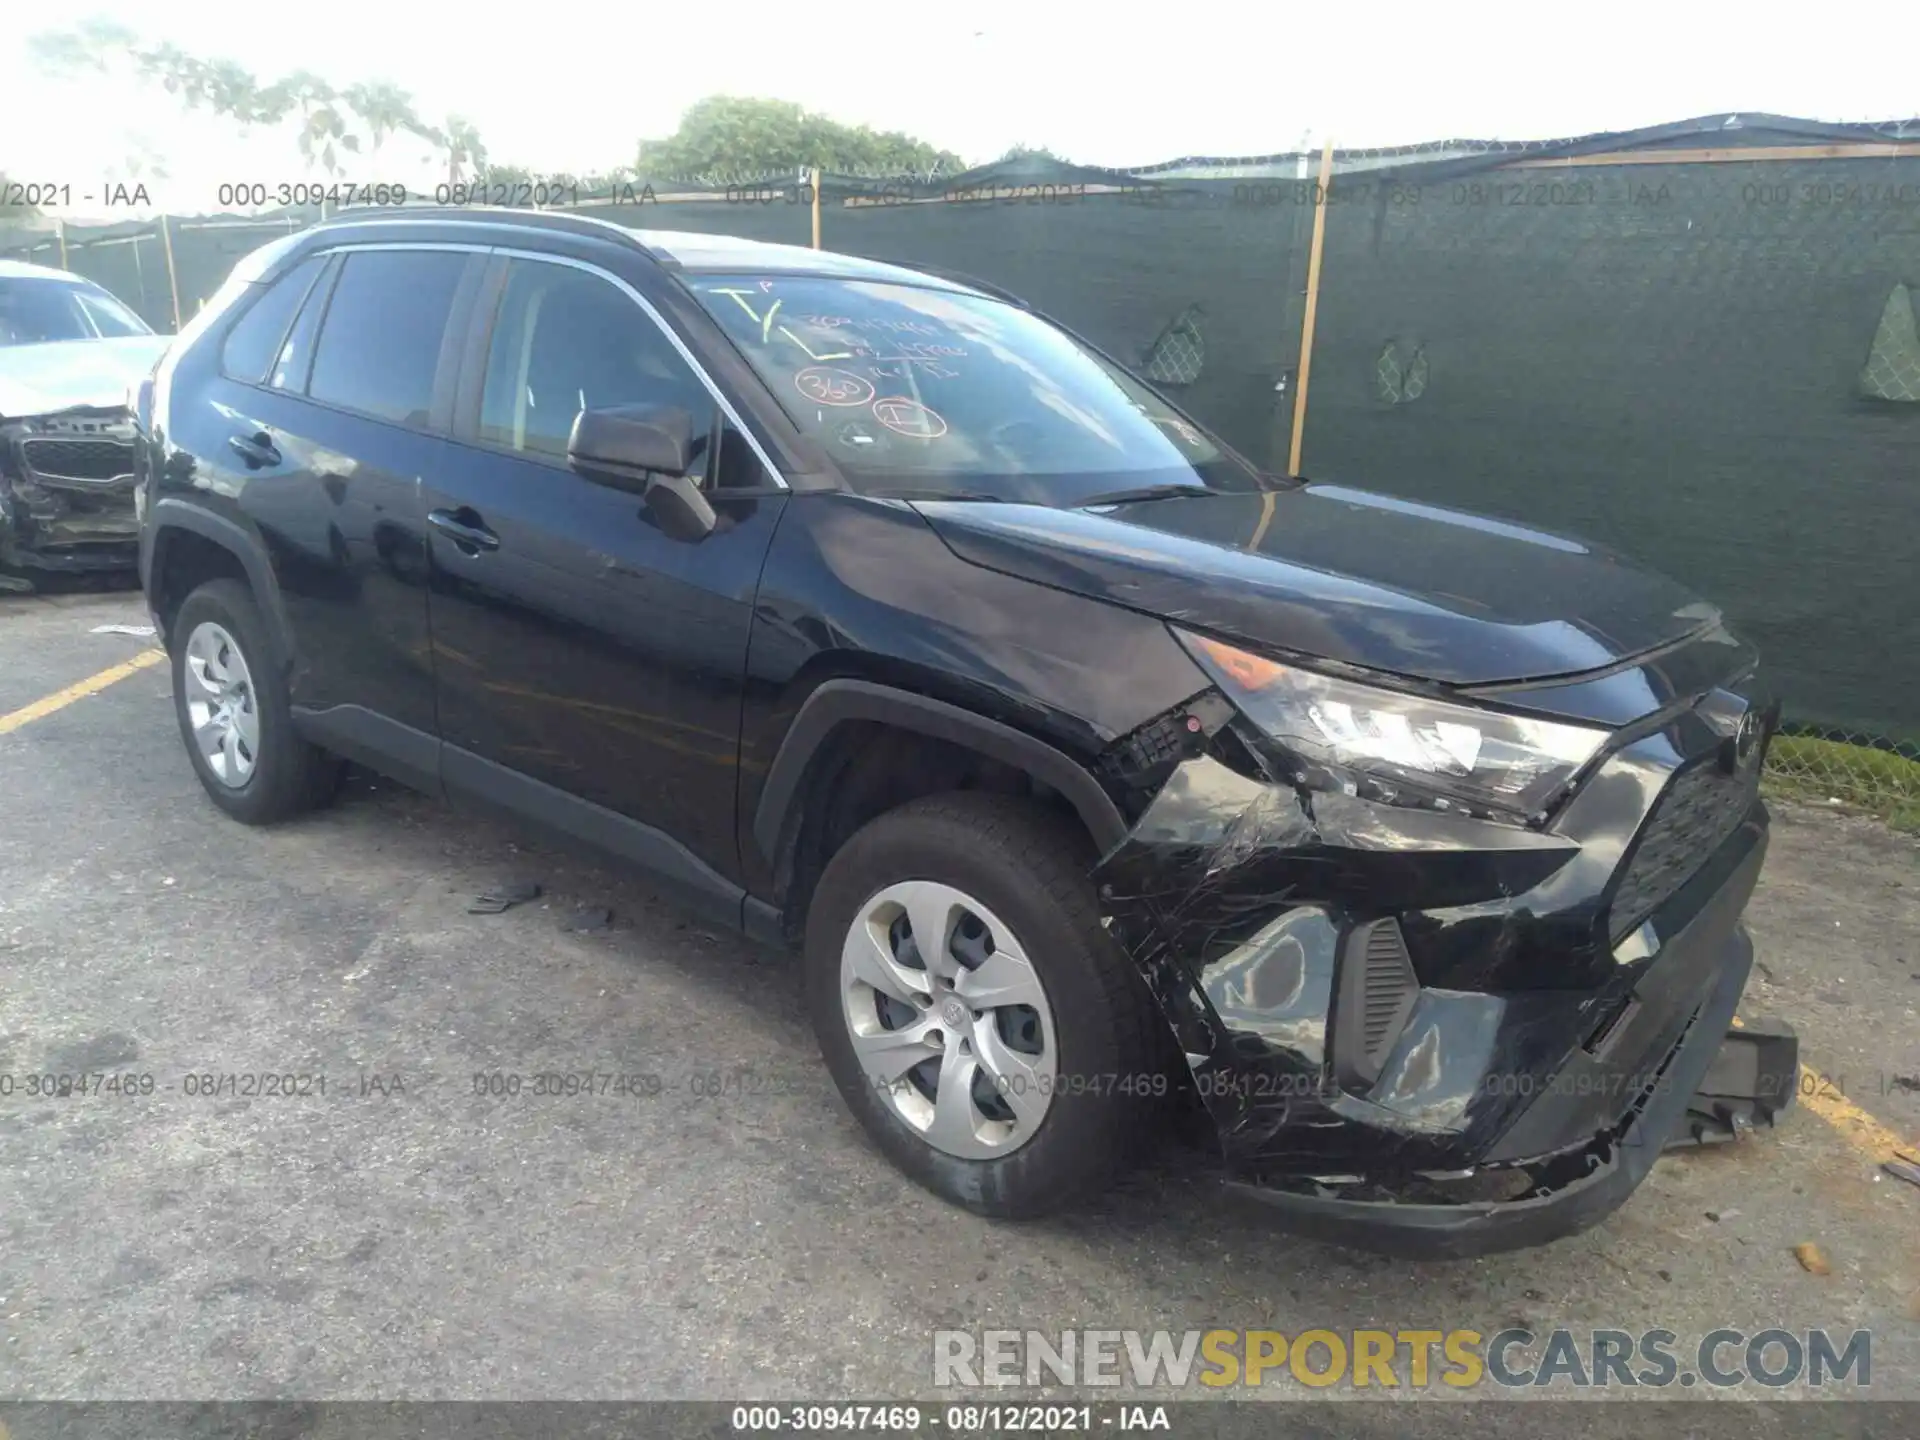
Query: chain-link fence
point(1861, 772)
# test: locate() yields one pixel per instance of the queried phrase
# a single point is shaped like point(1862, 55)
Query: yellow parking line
point(92, 685)
point(1859, 1129)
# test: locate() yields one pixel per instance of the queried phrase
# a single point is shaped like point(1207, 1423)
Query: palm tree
point(466, 155)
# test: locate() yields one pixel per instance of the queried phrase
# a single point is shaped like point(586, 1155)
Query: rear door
point(589, 664)
point(332, 437)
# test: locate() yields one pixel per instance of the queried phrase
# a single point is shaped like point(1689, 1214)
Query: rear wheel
point(232, 705)
point(977, 1018)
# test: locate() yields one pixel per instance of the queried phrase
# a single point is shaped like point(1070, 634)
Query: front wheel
point(976, 1017)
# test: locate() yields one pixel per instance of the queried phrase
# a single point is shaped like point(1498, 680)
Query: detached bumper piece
point(1751, 1080)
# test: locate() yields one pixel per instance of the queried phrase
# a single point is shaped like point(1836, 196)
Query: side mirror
point(683, 512)
point(645, 450)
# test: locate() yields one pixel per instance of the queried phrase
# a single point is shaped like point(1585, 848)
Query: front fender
point(838, 702)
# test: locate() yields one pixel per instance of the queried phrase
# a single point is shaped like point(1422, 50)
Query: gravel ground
point(400, 1236)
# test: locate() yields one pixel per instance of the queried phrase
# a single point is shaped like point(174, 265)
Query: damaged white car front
point(69, 355)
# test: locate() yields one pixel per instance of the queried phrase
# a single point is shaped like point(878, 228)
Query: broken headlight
point(1380, 743)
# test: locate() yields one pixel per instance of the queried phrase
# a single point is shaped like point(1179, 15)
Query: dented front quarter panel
point(1234, 894)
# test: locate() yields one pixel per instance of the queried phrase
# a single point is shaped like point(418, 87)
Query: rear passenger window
point(380, 341)
point(254, 340)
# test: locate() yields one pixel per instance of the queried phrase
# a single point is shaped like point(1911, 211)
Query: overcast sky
point(575, 86)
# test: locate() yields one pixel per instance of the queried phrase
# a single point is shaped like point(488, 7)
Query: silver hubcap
point(220, 704)
point(948, 1018)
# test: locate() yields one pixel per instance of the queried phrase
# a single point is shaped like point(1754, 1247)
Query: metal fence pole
point(816, 207)
point(140, 274)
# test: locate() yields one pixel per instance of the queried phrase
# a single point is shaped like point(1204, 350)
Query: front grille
point(1693, 817)
point(61, 458)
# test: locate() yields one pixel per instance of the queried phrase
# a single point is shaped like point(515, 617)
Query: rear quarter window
point(256, 337)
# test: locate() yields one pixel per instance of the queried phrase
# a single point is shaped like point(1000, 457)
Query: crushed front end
point(1435, 1028)
point(67, 491)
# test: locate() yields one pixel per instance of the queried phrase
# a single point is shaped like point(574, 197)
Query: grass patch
point(1807, 767)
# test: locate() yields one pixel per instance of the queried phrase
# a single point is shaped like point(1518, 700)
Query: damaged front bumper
point(1552, 1196)
point(67, 491)
point(1431, 1034)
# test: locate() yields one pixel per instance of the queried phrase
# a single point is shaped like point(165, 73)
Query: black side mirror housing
point(683, 512)
point(645, 450)
point(624, 445)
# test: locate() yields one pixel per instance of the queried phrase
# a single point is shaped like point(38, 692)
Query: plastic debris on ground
point(590, 918)
point(503, 897)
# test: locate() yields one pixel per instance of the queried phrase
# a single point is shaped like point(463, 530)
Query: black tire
point(1030, 867)
point(290, 776)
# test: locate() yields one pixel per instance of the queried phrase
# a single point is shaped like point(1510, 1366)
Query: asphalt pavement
point(393, 1222)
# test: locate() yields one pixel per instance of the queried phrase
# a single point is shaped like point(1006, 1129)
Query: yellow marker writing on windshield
point(836, 355)
point(740, 299)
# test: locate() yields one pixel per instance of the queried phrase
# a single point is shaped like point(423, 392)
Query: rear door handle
point(465, 528)
point(256, 449)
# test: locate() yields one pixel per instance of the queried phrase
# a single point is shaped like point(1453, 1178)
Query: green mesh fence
point(1713, 368)
point(1689, 364)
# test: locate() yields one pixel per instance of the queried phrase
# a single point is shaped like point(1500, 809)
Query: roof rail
point(495, 216)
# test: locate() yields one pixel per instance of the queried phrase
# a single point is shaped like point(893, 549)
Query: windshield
point(930, 393)
point(33, 312)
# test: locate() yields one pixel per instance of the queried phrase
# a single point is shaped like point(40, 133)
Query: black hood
point(1345, 575)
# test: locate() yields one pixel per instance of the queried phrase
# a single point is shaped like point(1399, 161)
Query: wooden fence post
point(1313, 303)
point(173, 279)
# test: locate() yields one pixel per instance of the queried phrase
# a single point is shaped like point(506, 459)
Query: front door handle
point(465, 528)
point(256, 449)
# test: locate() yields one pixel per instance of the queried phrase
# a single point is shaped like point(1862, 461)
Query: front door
point(589, 665)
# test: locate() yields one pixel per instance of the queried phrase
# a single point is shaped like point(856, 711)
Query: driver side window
point(565, 341)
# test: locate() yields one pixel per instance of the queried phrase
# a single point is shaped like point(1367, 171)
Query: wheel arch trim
point(170, 514)
point(842, 701)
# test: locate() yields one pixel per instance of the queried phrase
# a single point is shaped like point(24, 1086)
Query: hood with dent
point(62, 374)
point(1345, 575)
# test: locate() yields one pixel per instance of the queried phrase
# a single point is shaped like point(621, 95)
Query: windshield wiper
point(1143, 492)
point(896, 492)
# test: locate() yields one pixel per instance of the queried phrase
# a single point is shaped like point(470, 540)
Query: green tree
point(466, 152)
point(329, 122)
point(727, 135)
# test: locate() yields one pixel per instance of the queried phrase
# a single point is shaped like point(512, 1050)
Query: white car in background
point(69, 354)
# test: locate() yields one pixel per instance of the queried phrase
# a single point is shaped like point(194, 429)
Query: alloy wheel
point(221, 705)
point(948, 1019)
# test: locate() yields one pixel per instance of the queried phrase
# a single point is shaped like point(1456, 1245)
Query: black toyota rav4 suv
point(1101, 778)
